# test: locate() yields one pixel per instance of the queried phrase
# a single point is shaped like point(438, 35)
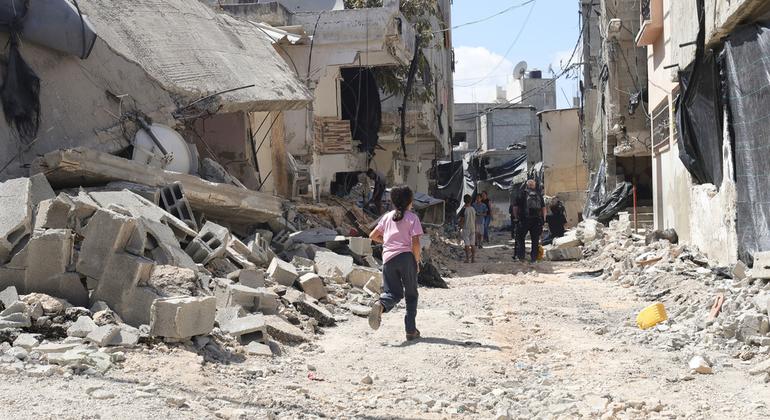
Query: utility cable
point(502, 12)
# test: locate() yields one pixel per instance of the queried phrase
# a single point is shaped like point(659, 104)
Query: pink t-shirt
point(397, 236)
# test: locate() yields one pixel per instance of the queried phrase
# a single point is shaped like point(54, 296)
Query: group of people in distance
point(528, 213)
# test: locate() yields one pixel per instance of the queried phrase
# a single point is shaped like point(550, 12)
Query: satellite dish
point(520, 70)
point(182, 157)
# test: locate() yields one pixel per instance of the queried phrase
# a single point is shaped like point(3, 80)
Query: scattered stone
point(359, 276)
point(700, 365)
point(258, 349)
point(8, 296)
point(82, 327)
point(26, 341)
point(329, 264)
point(367, 380)
point(313, 285)
point(282, 272)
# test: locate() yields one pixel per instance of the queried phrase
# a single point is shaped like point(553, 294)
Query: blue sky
point(548, 37)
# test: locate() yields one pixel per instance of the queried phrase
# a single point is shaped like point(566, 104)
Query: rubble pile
point(90, 270)
point(712, 310)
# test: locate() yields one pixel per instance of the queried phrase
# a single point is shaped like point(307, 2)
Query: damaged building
point(707, 105)
point(614, 111)
point(355, 61)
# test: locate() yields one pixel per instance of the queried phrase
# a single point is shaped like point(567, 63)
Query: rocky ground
point(507, 340)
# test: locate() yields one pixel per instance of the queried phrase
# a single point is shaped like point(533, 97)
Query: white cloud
point(473, 65)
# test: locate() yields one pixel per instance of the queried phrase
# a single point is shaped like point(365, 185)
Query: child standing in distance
point(481, 213)
point(399, 231)
point(468, 229)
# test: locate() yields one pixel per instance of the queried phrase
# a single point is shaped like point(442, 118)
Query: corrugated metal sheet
point(193, 52)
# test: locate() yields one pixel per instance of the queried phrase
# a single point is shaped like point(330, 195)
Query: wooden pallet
point(332, 136)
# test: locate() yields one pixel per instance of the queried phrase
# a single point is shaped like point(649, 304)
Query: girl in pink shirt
point(399, 231)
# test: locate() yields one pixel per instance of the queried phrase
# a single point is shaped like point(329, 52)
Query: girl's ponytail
point(401, 196)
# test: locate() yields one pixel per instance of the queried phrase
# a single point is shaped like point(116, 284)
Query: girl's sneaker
point(413, 335)
point(375, 315)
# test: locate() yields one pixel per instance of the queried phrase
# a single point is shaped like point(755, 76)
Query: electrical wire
point(502, 12)
point(508, 51)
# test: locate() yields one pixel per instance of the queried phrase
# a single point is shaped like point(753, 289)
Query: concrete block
point(374, 286)
point(103, 335)
point(55, 213)
point(330, 264)
point(751, 324)
point(8, 296)
point(82, 327)
point(27, 341)
point(52, 250)
point(246, 325)
point(134, 205)
point(740, 271)
point(163, 245)
point(570, 240)
point(315, 236)
point(253, 278)
point(313, 285)
point(183, 317)
point(14, 308)
point(12, 277)
point(238, 259)
point(282, 272)
point(258, 349)
point(18, 199)
point(282, 331)
point(360, 276)
point(761, 268)
point(311, 308)
point(268, 302)
point(254, 254)
point(229, 313)
point(372, 262)
point(16, 320)
point(172, 281)
point(360, 246)
point(173, 200)
point(211, 242)
point(106, 233)
point(303, 265)
point(566, 254)
point(120, 289)
point(245, 297)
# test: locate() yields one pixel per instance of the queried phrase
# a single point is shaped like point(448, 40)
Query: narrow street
point(535, 344)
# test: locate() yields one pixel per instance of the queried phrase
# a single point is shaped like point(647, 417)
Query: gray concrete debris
point(360, 246)
point(82, 327)
point(740, 271)
point(103, 335)
point(14, 308)
point(360, 276)
point(256, 254)
point(303, 265)
point(51, 305)
point(566, 254)
point(211, 242)
point(52, 253)
point(182, 317)
point(254, 278)
point(134, 205)
point(172, 200)
point(258, 349)
point(310, 307)
point(8, 296)
point(245, 325)
point(569, 240)
point(224, 315)
point(27, 341)
point(316, 236)
point(752, 324)
point(18, 199)
point(282, 272)
point(15, 320)
point(313, 285)
point(283, 331)
point(700, 365)
point(329, 264)
point(56, 213)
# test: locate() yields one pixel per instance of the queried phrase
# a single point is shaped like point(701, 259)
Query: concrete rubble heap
point(715, 313)
point(87, 270)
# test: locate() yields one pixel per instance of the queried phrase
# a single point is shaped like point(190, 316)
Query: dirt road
point(516, 340)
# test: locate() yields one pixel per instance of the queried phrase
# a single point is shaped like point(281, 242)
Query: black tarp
point(506, 176)
point(699, 115)
point(604, 207)
point(449, 176)
point(747, 69)
point(361, 105)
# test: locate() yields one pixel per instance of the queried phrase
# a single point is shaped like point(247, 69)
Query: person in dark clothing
point(488, 218)
point(556, 219)
point(379, 190)
point(529, 210)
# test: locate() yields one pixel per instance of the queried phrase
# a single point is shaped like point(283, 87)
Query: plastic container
point(651, 316)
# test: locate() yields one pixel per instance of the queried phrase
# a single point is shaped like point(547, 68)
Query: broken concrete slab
point(740, 271)
point(311, 308)
point(224, 315)
point(565, 254)
point(751, 324)
point(74, 167)
point(55, 213)
point(172, 281)
point(303, 265)
point(258, 349)
point(120, 289)
point(14, 308)
point(102, 336)
point(15, 320)
point(245, 325)
point(374, 286)
point(254, 278)
point(18, 199)
point(81, 327)
point(360, 246)
point(570, 240)
point(183, 317)
point(315, 236)
point(360, 276)
point(211, 242)
point(8, 296)
point(27, 341)
point(282, 272)
point(330, 264)
point(52, 251)
point(254, 254)
point(173, 200)
point(111, 233)
point(313, 285)
point(283, 331)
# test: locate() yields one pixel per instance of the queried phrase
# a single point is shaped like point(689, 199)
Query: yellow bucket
point(540, 252)
point(651, 316)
